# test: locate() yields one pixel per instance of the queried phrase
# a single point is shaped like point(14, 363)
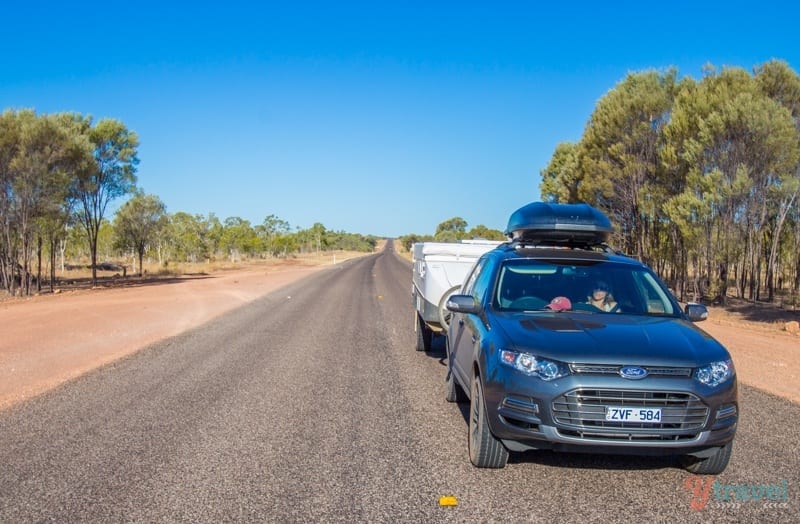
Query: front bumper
point(569, 414)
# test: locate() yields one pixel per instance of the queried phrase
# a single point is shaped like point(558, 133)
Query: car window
point(656, 299)
point(591, 286)
point(469, 283)
point(525, 285)
point(483, 282)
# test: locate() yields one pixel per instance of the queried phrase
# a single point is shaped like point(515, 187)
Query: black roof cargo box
point(559, 224)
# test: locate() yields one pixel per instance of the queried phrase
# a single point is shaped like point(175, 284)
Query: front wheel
point(713, 465)
point(485, 451)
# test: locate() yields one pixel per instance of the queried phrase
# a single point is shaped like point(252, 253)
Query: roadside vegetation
point(699, 177)
point(58, 175)
point(452, 230)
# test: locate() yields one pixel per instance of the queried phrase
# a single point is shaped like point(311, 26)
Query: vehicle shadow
point(117, 282)
point(593, 461)
point(438, 349)
point(569, 460)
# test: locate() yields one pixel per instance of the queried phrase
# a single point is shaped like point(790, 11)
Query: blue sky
point(381, 118)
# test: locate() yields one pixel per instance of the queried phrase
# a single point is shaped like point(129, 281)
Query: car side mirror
point(463, 304)
point(696, 312)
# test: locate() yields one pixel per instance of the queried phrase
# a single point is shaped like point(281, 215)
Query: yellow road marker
point(448, 501)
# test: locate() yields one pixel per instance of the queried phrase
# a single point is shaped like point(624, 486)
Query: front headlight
point(715, 373)
point(533, 365)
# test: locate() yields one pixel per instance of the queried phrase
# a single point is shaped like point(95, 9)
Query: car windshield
point(584, 286)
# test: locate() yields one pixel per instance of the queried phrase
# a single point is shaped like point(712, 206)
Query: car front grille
point(602, 369)
point(582, 413)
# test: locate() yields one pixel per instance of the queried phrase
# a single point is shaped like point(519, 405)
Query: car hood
point(611, 339)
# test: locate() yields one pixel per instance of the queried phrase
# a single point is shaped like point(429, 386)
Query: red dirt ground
point(47, 340)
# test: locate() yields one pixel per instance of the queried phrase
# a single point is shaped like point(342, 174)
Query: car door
point(464, 326)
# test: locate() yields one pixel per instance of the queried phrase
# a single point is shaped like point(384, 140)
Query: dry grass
point(401, 250)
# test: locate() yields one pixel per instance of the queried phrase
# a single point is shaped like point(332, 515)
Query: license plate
point(623, 414)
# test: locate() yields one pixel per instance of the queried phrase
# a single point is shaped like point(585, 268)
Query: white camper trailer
point(439, 270)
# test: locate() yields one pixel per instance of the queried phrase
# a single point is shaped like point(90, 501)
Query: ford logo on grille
point(633, 372)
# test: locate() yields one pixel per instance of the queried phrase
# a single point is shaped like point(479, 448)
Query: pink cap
point(560, 304)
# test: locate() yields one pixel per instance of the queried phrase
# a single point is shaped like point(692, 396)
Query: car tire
point(424, 334)
point(485, 451)
point(713, 465)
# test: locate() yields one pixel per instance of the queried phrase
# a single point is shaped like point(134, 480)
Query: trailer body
point(439, 269)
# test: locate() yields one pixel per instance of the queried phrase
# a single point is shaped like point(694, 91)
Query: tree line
point(700, 177)
point(183, 237)
point(60, 172)
point(453, 230)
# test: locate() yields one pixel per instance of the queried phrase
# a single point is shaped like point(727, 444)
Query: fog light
point(726, 411)
point(521, 405)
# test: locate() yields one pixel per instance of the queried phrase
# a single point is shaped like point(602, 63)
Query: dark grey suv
point(560, 343)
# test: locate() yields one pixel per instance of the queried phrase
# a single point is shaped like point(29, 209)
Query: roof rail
point(526, 243)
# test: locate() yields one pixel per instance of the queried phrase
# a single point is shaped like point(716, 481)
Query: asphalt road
point(311, 405)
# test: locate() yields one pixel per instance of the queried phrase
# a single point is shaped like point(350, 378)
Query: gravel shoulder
point(50, 339)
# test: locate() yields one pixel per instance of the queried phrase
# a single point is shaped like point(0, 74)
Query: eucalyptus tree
point(407, 241)
point(39, 185)
point(273, 225)
point(562, 177)
point(731, 146)
point(282, 245)
point(481, 231)
point(779, 82)
point(238, 237)
point(9, 244)
point(105, 241)
point(696, 198)
point(270, 232)
point(75, 158)
point(792, 250)
point(187, 235)
point(214, 233)
point(113, 176)
point(73, 246)
point(137, 222)
point(451, 230)
point(618, 157)
point(316, 236)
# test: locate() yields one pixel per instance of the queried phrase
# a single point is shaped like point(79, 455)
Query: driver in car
point(602, 299)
